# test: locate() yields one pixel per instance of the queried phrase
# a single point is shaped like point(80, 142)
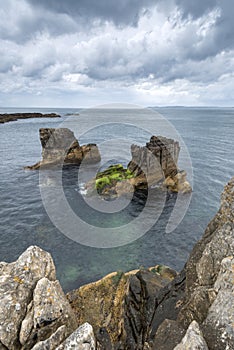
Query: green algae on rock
point(111, 176)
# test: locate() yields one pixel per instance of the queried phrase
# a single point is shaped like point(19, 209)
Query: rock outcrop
point(12, 117)
point(140, 310)
point(157, 161)
point(34, 312)
point(121, 305)
point(154, 163)
point(59, 146)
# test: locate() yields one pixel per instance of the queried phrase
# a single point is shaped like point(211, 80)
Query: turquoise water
point(208, 134)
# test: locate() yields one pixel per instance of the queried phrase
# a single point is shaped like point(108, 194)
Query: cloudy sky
point(78, 53)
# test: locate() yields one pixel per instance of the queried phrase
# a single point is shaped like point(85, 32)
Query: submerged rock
point(59, 146)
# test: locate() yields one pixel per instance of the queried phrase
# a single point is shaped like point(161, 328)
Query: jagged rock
point(169, 334)
point(59, 146)
point(49, 310)
point(218, 326)
point(120, 306)
point(53, 341)
point(12, 117)
point(32, 304)
point(157, 161)
point(193, 339)
point(82, 339)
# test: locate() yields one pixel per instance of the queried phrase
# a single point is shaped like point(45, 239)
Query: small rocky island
point(59, 146)
point(150, 309)
point(151, 164)
point(12, 117)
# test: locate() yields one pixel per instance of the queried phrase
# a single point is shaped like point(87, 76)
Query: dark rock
point(11, 117)
point(120, 306)
point(59, 147)
point(168, 335)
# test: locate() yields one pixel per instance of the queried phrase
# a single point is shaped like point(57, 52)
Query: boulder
point(32, 303)
point(82, 339)
point(59, 147)
point(193, 339)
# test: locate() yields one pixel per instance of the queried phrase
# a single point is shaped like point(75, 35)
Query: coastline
point(12, 117)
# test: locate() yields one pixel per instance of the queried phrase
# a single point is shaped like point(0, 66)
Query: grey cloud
point(71, 43)
point(126, 12)
point(196, 8)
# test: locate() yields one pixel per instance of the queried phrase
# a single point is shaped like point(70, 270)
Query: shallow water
point(208, 134)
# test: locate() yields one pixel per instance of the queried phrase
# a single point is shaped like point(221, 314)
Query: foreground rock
point(121, 305)
point(59, 146)
point(33, 307)
point(12, 117)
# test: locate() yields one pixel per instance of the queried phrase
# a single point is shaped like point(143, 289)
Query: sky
point(83, 53)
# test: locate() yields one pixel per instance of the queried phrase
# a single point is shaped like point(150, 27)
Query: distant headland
point(12, 117)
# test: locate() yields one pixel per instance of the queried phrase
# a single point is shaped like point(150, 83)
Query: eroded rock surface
point(59, 146)
point(157, 161)
point(33, 307)
point(193, 339)
point(82, 339)
point(120, 306)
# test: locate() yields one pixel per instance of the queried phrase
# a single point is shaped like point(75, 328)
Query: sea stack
point(59, 146)
point(158, 161)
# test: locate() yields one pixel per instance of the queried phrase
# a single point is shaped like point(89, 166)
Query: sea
point(206, 136)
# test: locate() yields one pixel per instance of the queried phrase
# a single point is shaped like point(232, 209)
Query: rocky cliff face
point(157, 161)
point(59, 146)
